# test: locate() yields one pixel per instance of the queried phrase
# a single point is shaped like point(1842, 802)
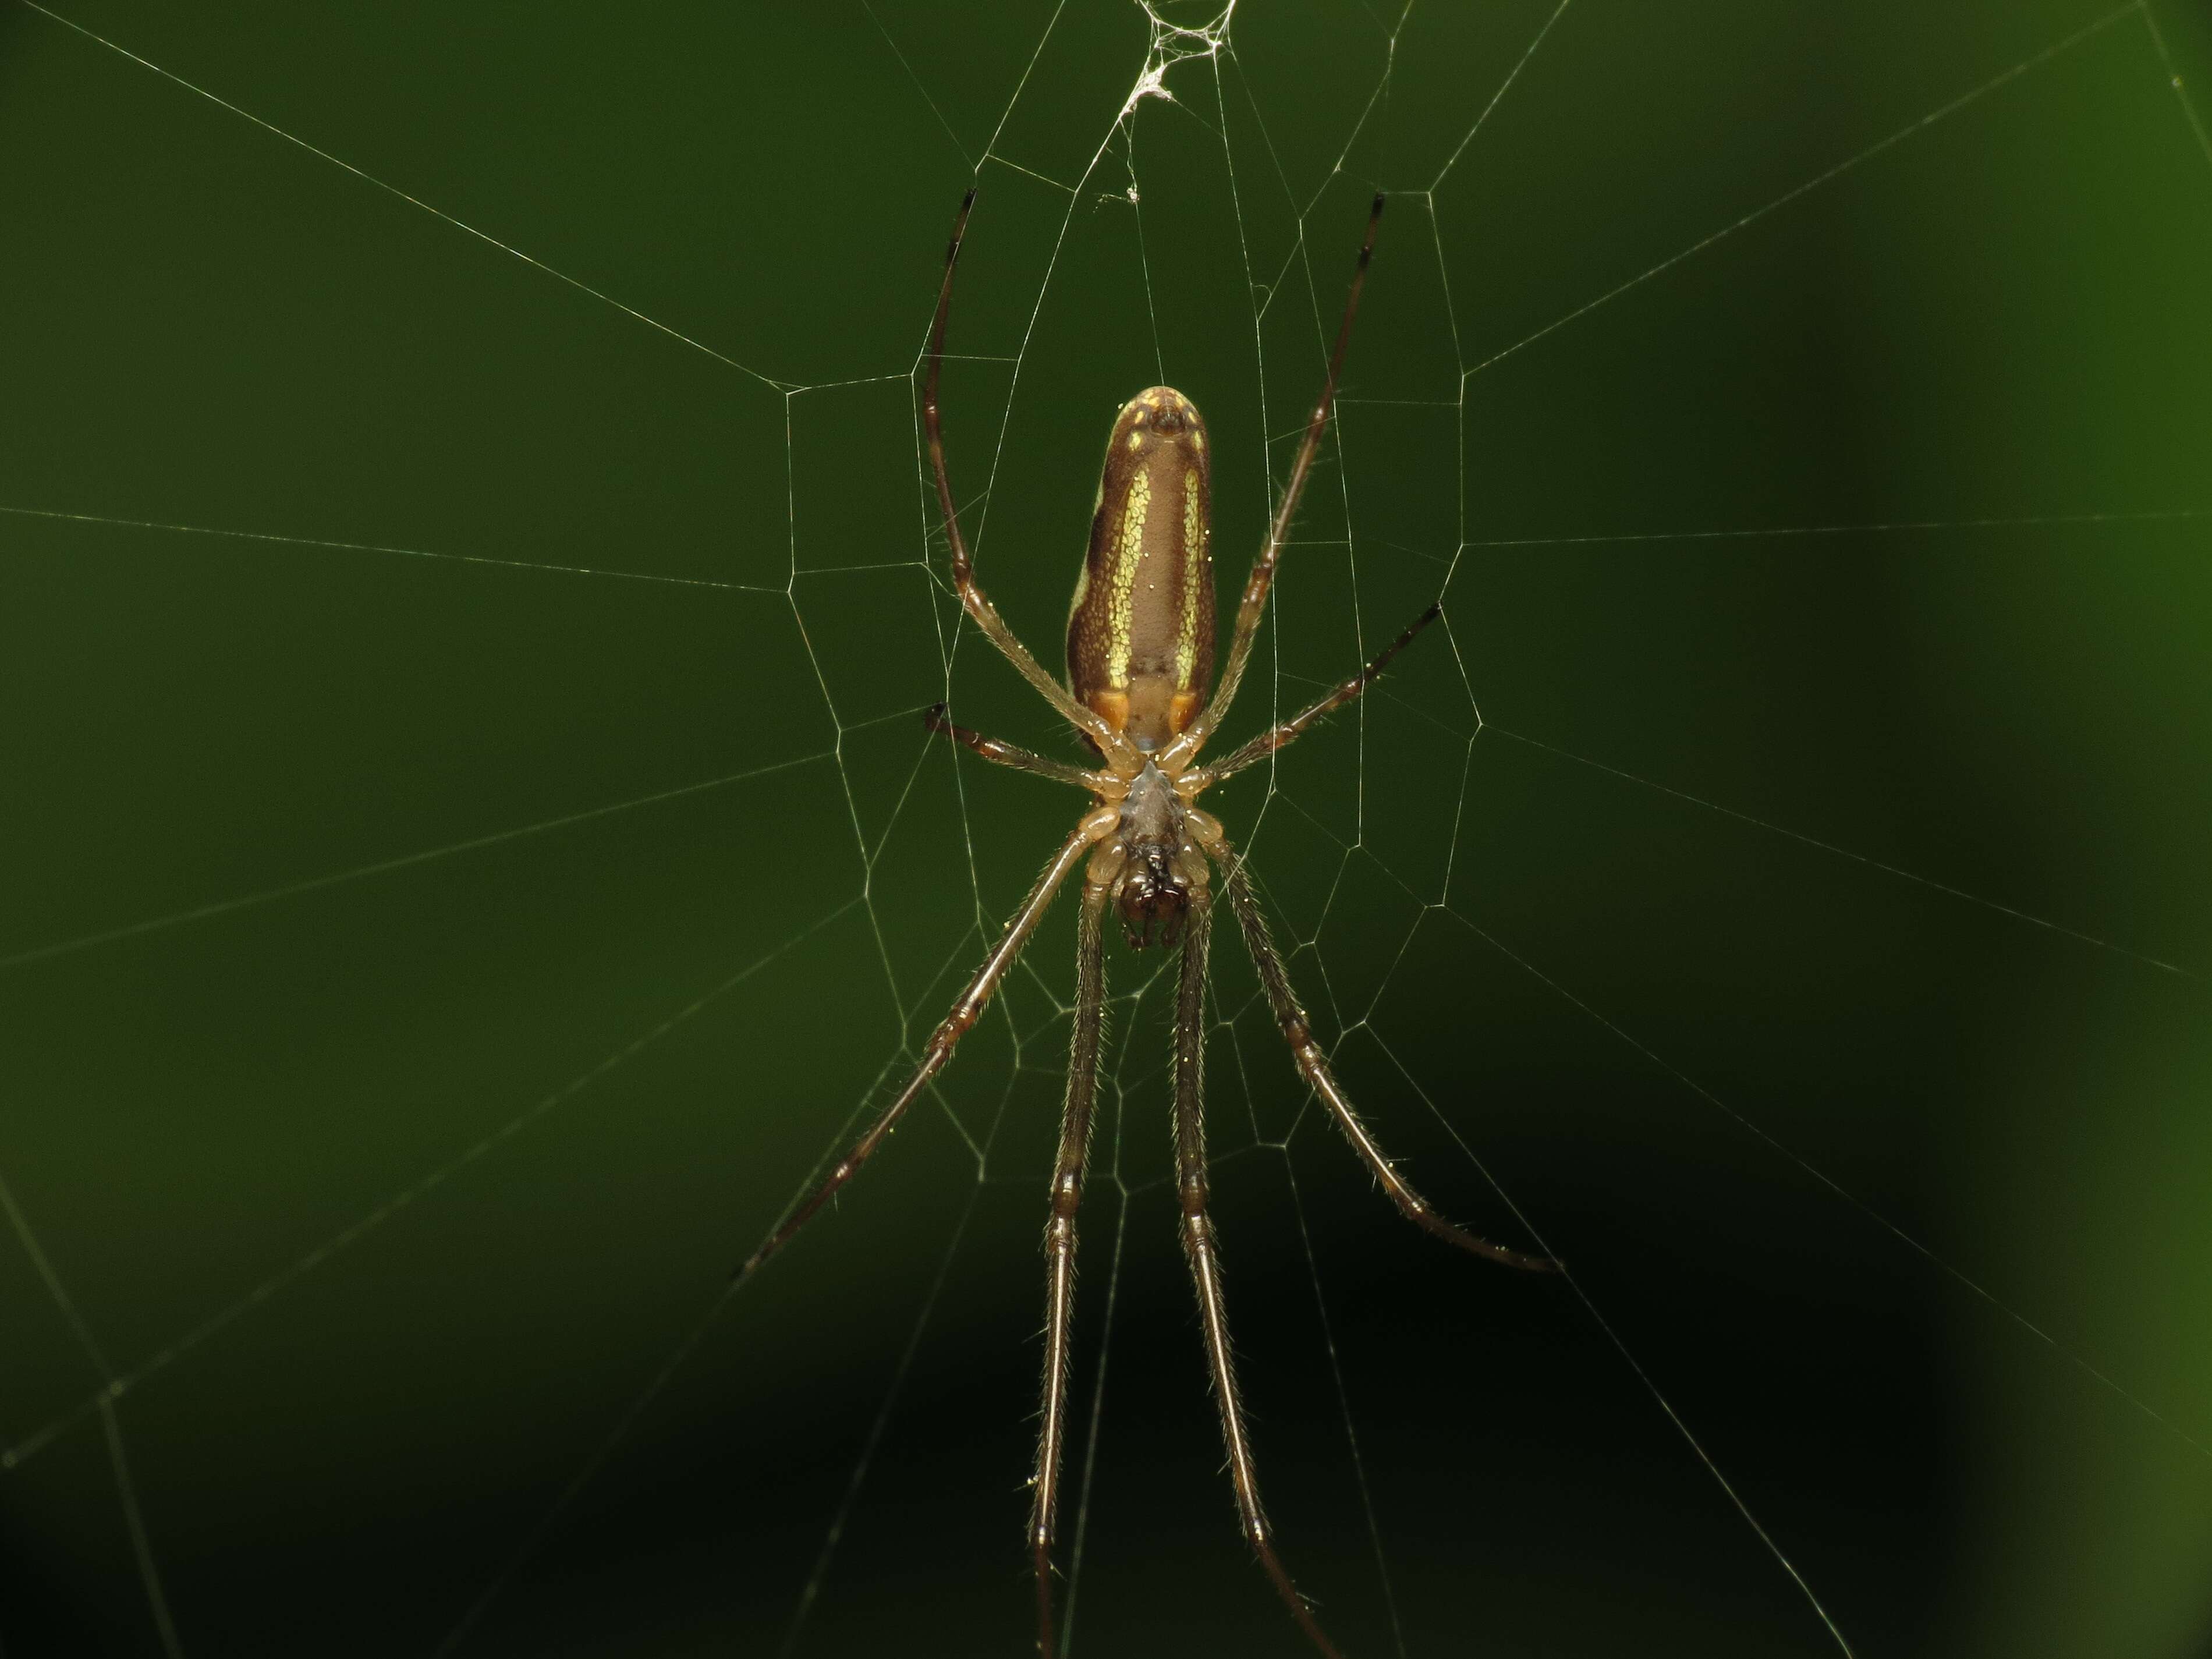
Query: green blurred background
point(390, 1097)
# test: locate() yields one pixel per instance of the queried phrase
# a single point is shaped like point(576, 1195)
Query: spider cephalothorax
point(1151, 862)
point(1139, 662)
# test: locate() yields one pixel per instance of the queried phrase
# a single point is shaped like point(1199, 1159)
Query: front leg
point(1200, 1248)
point(1314, 1069)
point(955, 1026)
point(1060, 1242)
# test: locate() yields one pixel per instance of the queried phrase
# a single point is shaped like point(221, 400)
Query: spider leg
point(1007, 754)
point(972, 598)
point(1201, 1251)
point(1314, 1069)
point(966, 1011)
point(1276, 737)
point(1060, 1239)
point(1270, 551)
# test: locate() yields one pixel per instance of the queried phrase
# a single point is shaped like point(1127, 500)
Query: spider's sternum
point(1140, 631)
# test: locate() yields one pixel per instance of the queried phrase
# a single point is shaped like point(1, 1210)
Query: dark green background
point(1596, 983)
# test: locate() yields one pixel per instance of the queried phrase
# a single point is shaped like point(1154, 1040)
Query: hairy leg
point(1255, 602)
point(1277, 737)
point(1060, 1242)
point(1201, 1249)
point(972, 597)
point(1315, 1067)
point(1007, 754)
point(955, 1026)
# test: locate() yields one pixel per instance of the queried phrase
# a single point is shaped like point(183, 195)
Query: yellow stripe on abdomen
point(1129, 558)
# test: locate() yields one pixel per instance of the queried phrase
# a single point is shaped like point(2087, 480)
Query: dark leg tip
point(959, 233)
point(1378, 204)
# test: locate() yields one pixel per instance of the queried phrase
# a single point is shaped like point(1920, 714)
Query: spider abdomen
point(1140, 631)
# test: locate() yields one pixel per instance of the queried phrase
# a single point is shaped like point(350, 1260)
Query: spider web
point(473, 587)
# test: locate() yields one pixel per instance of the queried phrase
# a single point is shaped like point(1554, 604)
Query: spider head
point(1151, 890)
point(1151, 897)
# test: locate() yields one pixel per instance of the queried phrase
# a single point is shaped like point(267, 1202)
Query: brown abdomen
point(1140, 632)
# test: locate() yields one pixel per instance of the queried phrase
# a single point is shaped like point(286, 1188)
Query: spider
point(1139, 656)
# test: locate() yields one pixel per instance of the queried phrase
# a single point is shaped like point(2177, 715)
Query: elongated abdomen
point(1140, 632)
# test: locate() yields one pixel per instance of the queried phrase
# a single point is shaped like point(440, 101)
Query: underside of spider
point(1139, 661)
